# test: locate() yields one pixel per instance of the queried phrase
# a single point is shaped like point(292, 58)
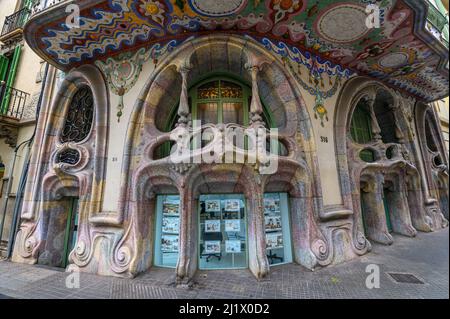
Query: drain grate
point(405, 278)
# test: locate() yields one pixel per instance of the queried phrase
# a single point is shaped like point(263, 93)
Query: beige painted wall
point(325, 151)
point(117, 135)
point(27, 71)
point(7, 154)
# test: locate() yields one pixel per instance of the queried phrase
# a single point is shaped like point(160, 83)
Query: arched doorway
point(233, 91)
point(370, 122)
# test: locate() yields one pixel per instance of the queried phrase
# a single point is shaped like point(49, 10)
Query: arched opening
point(375, 216)
point(61, 227)
point(201, 86)
point(79, 117)
point(388, 202)
point(385, 116)
point(443, 193)
point(360, 127)
point(429, 133)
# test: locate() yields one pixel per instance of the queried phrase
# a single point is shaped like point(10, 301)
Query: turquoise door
point(387, 211)
point(71, 230)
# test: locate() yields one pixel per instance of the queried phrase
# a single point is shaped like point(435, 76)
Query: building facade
point(442, 109)
point(233, 134)
point(21, 73)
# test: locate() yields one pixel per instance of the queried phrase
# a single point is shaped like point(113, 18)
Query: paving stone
point(426, 257)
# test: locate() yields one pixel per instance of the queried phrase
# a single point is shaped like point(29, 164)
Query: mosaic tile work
point(395, 53)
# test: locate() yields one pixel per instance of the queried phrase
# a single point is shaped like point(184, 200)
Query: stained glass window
point(230, 90)
point(209, 91)
point(220, 101)
point(79, 117)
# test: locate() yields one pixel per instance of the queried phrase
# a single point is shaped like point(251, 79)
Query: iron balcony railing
point(436, 18)
point(40, 5)
point(12, 101)
point(15, 21)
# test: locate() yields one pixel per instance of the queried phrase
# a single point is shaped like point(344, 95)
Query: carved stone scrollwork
point(70, 158)
point(320, 249)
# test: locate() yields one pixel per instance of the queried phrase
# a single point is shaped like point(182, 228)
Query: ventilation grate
point(405, 278)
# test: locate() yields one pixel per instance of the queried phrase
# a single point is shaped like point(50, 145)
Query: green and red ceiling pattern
point(400, 52)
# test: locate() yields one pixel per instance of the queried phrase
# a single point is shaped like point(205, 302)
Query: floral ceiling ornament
point(153, 9)
point(317, 68)
point(283, 8)
point(123, 72)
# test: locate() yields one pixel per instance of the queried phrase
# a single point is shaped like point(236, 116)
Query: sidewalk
point(426, 257)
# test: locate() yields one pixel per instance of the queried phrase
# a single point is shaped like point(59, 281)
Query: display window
point(276, 221)
point(167, 230)
point(223, 232)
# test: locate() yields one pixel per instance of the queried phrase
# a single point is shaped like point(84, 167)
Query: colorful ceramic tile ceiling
point(399, 53)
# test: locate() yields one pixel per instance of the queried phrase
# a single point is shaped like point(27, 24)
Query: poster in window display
point(169, 243)
point(212, 226)
point(271, 205)
point(274, 240)
point(233, 225)
point(273, 223)
point(171, 208)
point(233, 246)
point(212, 247)
point(212, 206)
point(232, 205)
point(171, 225)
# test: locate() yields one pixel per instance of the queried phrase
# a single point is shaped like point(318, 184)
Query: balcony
point(13, 102)
point(41, 5)
point(13, 26)
point(12, 106)
point(437, 24)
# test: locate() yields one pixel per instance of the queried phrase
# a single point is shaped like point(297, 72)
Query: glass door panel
point(71, 234)
point(233, 112)
point(208, 113)
point(167, 230)
point(223, 232)
point(278, 236)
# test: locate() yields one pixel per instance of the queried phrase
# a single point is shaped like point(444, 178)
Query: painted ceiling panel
point(400, 52)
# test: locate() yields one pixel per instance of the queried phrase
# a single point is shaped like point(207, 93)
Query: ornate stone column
point(188, 253)
point(376, 131)
point(183, 109)
point(256, 108)
point(398, 131)
point(258, 262)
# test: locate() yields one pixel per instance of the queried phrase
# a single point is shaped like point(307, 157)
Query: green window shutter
point(11, 78)
point(27, 4)
point(360, 129)
point(4, 63)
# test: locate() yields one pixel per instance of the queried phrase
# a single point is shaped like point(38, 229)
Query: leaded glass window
point(79, 118)
point(220, 101)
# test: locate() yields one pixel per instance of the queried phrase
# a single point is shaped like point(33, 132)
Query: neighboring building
point(442, 109)
point(355, 143)
point(20, 84)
